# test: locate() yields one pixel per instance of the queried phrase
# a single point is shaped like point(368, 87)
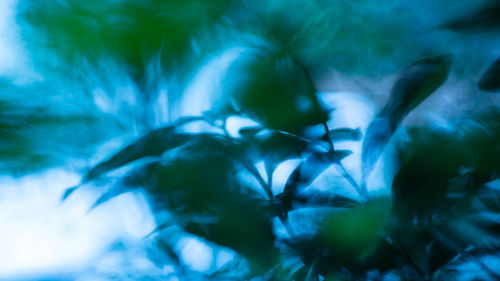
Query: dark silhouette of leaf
point(168, 250)
point(484, 19)
point(213, 159)
point(348, 239)
point(68, 192)
point(154, 143)
point(249, 132)
point(413, 85)
point(277, 147)
point(34, 129)
point(490, 80)
point(199, 181)
point(433, 178)
point(440, 202)
point(109, 194)
point(242, 228)
point(306, 172)
point(343, 134)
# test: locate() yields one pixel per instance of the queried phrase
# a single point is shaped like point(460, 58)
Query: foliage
point(439, 214)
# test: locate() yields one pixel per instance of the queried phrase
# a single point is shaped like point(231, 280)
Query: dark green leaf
point(242, 228)
point(200, 176)
point(490, 80)
point(352, 235)
point(443, 172)
point(277, 91)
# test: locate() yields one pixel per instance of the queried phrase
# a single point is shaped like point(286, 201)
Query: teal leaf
point(414, 84)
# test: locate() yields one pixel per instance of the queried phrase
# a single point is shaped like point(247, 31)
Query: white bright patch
point(354, 110)
point(205, 87)
point(41, 235)
point(13, 59)
point(197, 256)
point(235, 123)
point(282, 173)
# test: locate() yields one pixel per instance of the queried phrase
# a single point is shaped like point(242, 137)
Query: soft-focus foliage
point(117, 71)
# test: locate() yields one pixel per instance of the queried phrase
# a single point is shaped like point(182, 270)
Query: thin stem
point(262, 182)
point(327, 132)
point(295, 136)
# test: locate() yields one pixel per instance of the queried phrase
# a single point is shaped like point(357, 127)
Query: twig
point(330, 141)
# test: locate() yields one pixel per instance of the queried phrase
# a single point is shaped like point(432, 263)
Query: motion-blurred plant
point(442, 209)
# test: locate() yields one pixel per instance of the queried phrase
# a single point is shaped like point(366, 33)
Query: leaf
point(276, 89)
point(427, 166)
point(68, 192)
point(306, 172)
point(343, 134)
point(109, 194)
point(154, 143)
point(413, 85)
point(169, 251)
point(276, 147)
point(242, 228)
point(199, 182)
point(249, 132)
point(490, 80)
point(445, 172)
point(377, 135)
point(199, 177)
point(351, 235)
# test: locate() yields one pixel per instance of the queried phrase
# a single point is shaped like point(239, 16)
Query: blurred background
point(81, 80)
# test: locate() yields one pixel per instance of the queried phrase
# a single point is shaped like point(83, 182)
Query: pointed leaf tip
point(490, 79)
point(68, 192)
